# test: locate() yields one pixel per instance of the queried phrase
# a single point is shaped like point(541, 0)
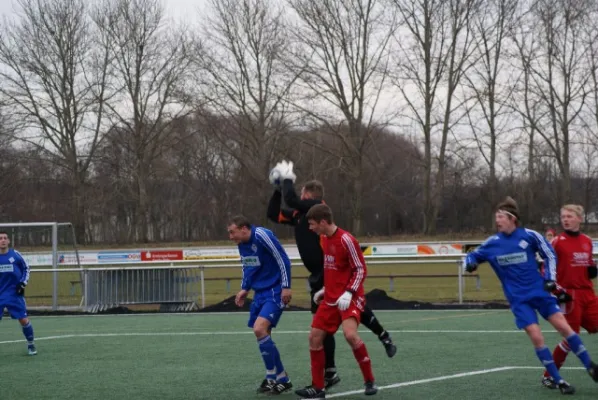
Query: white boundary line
point(244, 313)
point(441, 378)
point(249, 332)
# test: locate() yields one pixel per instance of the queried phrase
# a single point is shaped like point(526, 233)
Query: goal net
point(48, 247)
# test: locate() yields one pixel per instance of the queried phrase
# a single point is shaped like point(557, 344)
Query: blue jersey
point(265, 263)
point(13, 270)
point(513, 258)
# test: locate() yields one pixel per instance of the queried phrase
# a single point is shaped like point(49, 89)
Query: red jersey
point(344, 265)
point(574, 256)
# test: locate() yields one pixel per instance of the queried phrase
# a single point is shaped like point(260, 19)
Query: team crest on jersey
point(253, 247)
point(523, 244)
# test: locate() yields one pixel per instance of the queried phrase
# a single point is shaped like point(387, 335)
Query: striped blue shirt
point(13, 270)
point(265, 262)
point(513, 259)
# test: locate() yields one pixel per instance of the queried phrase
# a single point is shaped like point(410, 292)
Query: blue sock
point(267, 348)
point(545, 357)
point(28, 333)
point(281, 375)
point(579, 349)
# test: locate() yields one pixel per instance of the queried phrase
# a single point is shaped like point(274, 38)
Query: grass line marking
point(443, 378)
point(250, 332)
point(420, 381)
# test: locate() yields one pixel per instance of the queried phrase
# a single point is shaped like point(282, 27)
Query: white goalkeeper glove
point(318, 296)
point(344, 301)
point(286, 171)
point(275, 175)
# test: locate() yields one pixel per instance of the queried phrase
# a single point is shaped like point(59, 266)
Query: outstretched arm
point(276, 213)
point(476, 257)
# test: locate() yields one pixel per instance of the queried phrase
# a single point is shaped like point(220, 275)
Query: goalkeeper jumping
point(511, 254)
point(286, 207)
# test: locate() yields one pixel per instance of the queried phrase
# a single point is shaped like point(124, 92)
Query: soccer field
point(442, 355)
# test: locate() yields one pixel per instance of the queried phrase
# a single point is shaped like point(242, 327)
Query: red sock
point(365, 364)
point(559, 355)
point(318, 363)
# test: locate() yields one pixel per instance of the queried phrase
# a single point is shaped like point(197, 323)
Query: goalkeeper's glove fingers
point(21, 288)
point(286, 171)
point(344, 301)
point(318, 296)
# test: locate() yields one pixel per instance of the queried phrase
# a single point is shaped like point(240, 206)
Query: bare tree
point(489, 79)
point(245, 80)
point(343, 54)
point(152, 63)
point(53, 81)
point(553, 56)
point(431, 65)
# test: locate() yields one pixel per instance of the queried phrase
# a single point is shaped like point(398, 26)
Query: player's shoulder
point(15, 253)
point(532, 233)
point(346, 236)
point(490, 240)
point(586, 238)
point(262, 233)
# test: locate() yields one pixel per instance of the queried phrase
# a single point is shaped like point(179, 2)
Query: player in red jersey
point(341, 300)
point(575, 271)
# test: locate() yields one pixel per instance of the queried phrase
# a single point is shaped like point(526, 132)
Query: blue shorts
point(525, 311)
point(15, 305)
point(266, 304)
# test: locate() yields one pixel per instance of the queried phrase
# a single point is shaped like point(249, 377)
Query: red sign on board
point(162, 255)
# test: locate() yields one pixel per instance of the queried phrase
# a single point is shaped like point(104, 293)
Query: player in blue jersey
point(511, 253)
point(266, 271)
point(14, 275)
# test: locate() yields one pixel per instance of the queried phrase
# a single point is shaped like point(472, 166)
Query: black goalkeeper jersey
point(287, 208)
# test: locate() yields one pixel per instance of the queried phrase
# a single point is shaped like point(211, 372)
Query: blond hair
point(574, 208)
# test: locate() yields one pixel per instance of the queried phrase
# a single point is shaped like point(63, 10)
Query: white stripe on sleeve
point(263, 236)
point(546, 250)
point(356, 261)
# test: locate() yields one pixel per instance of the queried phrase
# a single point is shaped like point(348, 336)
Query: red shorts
point(582, 312)
point(328, 318)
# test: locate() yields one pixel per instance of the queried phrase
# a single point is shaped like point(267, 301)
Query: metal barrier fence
point(180, 287)
point(173, 287)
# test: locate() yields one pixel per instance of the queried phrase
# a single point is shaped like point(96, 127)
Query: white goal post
point(54, 226)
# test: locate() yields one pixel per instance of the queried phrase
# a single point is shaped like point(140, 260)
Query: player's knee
point(24, 321)
point(316, 340)
point(352, 337)
point(261, 329)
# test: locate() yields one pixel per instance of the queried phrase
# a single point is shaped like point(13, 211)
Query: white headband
point(508, 213)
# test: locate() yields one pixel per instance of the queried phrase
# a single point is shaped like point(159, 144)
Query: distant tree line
point(417, 115)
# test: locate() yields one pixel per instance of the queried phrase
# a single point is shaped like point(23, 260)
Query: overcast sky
point(184, 9)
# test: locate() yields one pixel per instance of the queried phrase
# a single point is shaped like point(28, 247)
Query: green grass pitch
point(442, 355)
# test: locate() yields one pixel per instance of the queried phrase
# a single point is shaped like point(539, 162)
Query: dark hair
point(3, 231)
point(240, 221)
point(320, 212)
point(315, 187)
point(509, 205)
